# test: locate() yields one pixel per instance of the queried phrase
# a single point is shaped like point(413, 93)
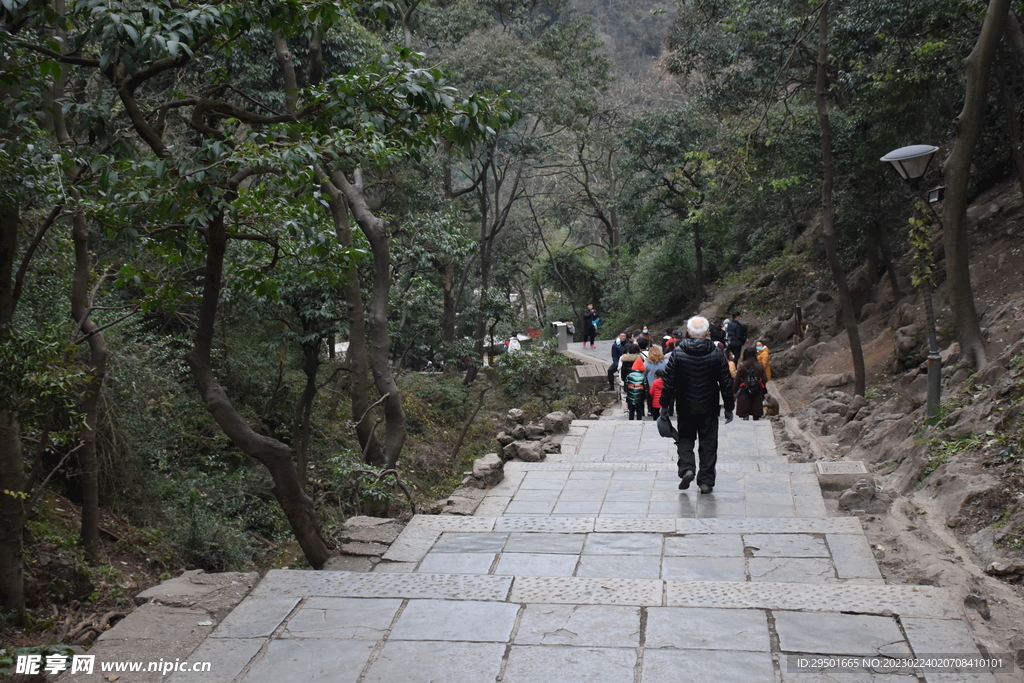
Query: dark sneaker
point(704, 488)
point(686, 479)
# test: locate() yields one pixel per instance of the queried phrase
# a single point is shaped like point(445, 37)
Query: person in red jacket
point(656, 388)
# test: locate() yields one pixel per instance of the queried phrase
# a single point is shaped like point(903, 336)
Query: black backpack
point(751, 382)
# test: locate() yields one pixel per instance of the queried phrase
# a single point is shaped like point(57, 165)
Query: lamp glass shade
point(911, 162)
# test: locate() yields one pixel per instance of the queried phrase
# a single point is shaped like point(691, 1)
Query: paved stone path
point(593, 567)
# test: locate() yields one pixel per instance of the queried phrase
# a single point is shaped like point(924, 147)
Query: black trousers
point(589, 333)
point(636, 412)
point(613, 370)
point(702, 429)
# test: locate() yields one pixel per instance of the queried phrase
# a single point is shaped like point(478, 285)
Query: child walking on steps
point(636, 394)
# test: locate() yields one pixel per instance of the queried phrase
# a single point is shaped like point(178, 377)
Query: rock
point(348, 563)
point(991, 372)
point(504, 439)
point(951, 355)
point(556, 422)
point(463, 501)
point(823, 297)
point(764, 280)
point(519, 432)
point(786, 329)
point(908, 342)
point(571, 415)
point(856, 403)
point(979, 604)
point(515, 415)
point(534, 431)
point(384, 533)
point(869, 310)
point(488, 471)
point(594, 416)
point(530, 451)
point(197, 588)
point(510, 451)
point(364, 549)
point(959, 377)
point(552, 447)
point(1005, 567)
point(363, 521)
point(865, 497)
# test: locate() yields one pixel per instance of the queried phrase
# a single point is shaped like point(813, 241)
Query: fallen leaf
point(206, 623)
point(112, 678)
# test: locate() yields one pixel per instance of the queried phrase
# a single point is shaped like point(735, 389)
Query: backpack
point(751, 382)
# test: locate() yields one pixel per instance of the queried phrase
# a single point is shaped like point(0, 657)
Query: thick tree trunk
point(1007, 88)
point(698, 254)
point(957, 170)
point(356, 357)
point(448, 290)
point(304, 410)
point(828, 207)
point(886, 251)
point(274, 455)
point(12, 466)
point(380, 341)
point(12, 515)
point(88, 458)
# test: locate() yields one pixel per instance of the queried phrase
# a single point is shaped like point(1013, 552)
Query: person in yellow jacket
point(763, 357)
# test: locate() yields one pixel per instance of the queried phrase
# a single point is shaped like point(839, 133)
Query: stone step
point(775, 466)
point(338, 626)
point(811, 551)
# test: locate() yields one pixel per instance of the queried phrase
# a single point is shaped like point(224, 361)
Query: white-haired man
point(696, 375)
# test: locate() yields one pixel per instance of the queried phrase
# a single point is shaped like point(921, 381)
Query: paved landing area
point(593, 567)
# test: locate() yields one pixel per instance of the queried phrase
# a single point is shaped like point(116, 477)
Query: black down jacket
point(696, 375)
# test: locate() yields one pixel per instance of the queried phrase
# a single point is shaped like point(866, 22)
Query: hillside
point(947, 507)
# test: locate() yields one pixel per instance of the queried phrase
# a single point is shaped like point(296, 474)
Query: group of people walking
point(687, 374)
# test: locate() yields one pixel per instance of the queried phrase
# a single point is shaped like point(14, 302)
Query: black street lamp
point(911, 163)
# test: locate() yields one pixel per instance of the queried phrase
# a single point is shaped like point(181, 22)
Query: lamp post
point(911, 163)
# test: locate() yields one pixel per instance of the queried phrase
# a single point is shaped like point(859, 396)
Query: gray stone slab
point(285, 582)
point(228, 657)
point(343, 618)
point(255, 617)
point(852, 557)
point(620, 566)
point(462, 620)
point(536, 564)
point(937, 636)
point(684, 507)
point(587, 591)
point(311, 660)
point(625, 543)
point(906, 601)
point(658, 526)
point(395, 567)
point(809, 506)
point(579, 625)
point(791, 569)
point(839, 634)
point(493, 506)
point(460, 523)
point(457, 563)
point(703, 569)
point(633, 509)
point(628, 496)
point(545, 543)
point(785, 545)
point(418, 662)
point(452, 542)
point(720, 666)
point(529, 508)
point(773, 510)
point(538, 495)
point(539, 664)
point(710, 509)
point(707, 629)
point(412, 544)
point(576, 508)
point(704, 545)
point(826, 525)
point(849, 677)
point(534, 524)
point(581, 496)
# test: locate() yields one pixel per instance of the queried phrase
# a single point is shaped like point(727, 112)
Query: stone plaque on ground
point(840, 475)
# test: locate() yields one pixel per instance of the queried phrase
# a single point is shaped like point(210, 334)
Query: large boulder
point(530, 451)
point(556, 422)
point(488, 471)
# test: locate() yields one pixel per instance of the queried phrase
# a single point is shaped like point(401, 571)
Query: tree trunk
point(886, 251)
point(89, 405)
point(828, 207)
point(272, 454)
point(448, 289)
point(304, 410)
point(957, 170)
point(698, 255)
point(12, 466)
point(380, 341)
point(356, 357)
point(1007, 88)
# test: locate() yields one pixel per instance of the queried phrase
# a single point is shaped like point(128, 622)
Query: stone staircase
point(592, 566)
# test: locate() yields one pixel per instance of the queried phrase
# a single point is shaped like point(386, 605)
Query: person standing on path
point(764, 357)
point(636, 394)
point(749, 386)
point(618, 348)
point(695, 376)
point(736, 334)
point(656, 360)
point(589, 330)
